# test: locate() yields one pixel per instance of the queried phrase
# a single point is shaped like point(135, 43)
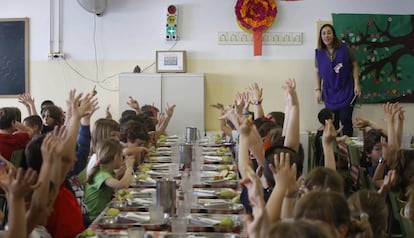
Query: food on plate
point(228, 193)
point(227, 159)
point(223, 167)
point(232, 176)
point(221, 151)
point(349, 141)
point(153, 159)
point(221, 175)
point(142, 176)
point(218, 177)
point(162, 139)
point(153, 149)
point(112, 212)
point(87, 233)
point(144, 167)
point(236, 199)
point(123, 194)
point(227, 221)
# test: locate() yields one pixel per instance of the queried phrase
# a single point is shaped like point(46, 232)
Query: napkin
point(141, 201)
point(203, 221)
point(137, 217)
point(213, 158)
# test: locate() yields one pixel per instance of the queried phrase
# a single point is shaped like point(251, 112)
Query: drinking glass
point(136, 232)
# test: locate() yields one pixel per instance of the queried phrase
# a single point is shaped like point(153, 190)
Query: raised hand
point(218, 106)
point(18, 184)
point(290, 91)
point(254, 188)
point(108, 114)
point(169, 110)
point(232, 115)
point(92, 106)
point(28, 101)
point(132, 103)
point(283, 173)
point(49, 147)
point(360, 123)
point(389, 181)
point(256, 225)
point(239, 102)
point(255, 92)
point(329, 132)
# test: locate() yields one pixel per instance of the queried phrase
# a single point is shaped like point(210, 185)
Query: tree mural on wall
point(384, 48)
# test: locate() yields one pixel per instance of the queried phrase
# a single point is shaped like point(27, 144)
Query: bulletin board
point(14, 56)
point(382, 44)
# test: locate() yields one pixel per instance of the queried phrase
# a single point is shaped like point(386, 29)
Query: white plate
point(208, 174)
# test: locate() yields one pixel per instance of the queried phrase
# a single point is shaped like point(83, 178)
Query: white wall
point(130, 32)
point(134, 29)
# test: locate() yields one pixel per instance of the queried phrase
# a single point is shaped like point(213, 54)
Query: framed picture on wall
point(171, 61)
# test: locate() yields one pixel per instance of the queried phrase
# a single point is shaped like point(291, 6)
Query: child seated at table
point(102, 180)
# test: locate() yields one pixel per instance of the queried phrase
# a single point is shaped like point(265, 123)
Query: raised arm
point(291, 116)
point(246, 140)
point(17, 186)
point(255, 93)
point(223, 125)
point(390, 110)
point(169, 112)
point(258, 225)
point(83, 141)
point(132, 103)
point(362, 123)
point(283, 173)
point(328, 138)
point(28, 101)
point(77, 107)
point(400, 125)
point(42, 197)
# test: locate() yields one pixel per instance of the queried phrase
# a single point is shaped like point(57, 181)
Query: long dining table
point(206, 194)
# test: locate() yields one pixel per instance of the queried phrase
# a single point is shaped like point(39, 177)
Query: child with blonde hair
point(102, 180)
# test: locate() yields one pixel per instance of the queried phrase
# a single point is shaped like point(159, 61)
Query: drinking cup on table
point(178, 224)
point(195, 177)
point(156, 214)
point(191, 198)
point(136, 232)
point(173, 170)
point(196, 165)
point(183, 209)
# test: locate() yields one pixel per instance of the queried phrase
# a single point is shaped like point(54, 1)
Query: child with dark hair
point(52, 116)
point(277, 117)
point(45, 104)
point(134, 132)
point(324, 115)
point(34, 122)
point(372, 150)
point(150, 110)
point(13, 135)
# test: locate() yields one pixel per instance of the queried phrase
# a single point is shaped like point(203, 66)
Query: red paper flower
point(255, 15)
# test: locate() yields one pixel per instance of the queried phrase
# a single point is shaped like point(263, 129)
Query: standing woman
point(337, 77)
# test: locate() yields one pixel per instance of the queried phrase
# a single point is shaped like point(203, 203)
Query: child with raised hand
point(258, 223)
point(102, 180)
point(17, 186)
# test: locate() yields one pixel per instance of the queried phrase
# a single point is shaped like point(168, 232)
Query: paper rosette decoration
point(255, 16)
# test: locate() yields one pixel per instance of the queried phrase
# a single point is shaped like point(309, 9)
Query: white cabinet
point(185, 90)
